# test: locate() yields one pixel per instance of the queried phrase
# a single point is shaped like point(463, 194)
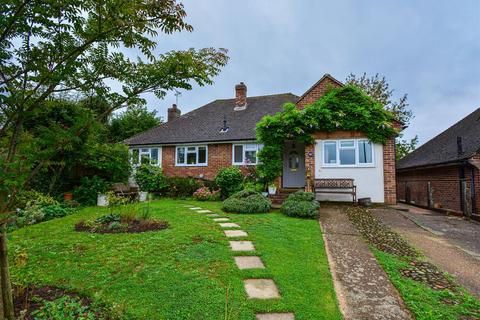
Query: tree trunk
point(5, 277)
point(2, 312)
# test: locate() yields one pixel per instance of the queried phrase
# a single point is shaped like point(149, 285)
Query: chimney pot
point(173, 113)
point(240, 96)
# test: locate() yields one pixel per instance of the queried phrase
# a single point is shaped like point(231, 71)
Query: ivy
point(346, 108)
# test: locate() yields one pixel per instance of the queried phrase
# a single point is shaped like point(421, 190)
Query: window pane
point(135, 156)
point(364, 151)
point(154, 155)
point(191, 157)
point(250, 156)
point(347, 144)
point(191, 148)
point(181, 155)
point(238, 154)
point(202, 155)
point(330, 152)
point(145, 158)
point(347, 156)
point(251, 147)
point(145, 150)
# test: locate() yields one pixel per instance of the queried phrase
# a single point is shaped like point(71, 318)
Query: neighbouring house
point(222, 134)
point(444, 172)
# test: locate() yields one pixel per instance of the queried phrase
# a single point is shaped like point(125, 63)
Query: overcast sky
point(429, 49)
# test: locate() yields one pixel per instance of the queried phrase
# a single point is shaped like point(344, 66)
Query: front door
point(294, 165)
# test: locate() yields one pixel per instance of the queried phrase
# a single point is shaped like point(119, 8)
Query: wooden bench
point(341, 186)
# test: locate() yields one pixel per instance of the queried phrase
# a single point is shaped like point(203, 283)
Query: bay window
point(191, 156)
point(246, 154)
point(348, 152)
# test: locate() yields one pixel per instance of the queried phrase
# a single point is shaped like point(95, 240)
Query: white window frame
point(257, 148)
point(196, 151)
point(142, 153)
point(357, 154)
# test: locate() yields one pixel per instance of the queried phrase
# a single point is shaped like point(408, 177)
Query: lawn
point(184, 272)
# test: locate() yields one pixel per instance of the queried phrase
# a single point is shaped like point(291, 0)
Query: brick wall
point(317, 91)
point(445, 185)
point(219, 156)
point(389, 179)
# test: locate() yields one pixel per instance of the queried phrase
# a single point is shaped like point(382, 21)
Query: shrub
point(229, 180)
point(204, 194)
point(56, 211)
point(181, 187)
point(247, 201)
point(32, 197)
point(86, 193)
point(301, 204)
point(150, 178)
point(65, 308)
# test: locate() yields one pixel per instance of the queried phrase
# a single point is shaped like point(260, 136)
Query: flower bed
point(116, 223)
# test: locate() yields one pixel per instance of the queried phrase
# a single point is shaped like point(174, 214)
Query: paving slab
point(229, 225)
point(212, 215)
point(195, 208)
point(235, 233)
point(249, 262)
point(261, 289)
point(275, 316)
point(221, 219)
point(204, 211)
point(363, 288)
point(242, 246)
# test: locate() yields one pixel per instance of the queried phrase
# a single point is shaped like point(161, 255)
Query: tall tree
point(48, 48)
point(134, 120)
point(378, 88)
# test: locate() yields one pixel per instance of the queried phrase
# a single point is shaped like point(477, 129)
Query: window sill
point(244, 164)
point(349, 166)
point(192, 165)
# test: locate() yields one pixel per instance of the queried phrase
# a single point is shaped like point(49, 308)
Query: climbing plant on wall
point(346, 108)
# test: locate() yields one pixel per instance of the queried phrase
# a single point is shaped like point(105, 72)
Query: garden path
point(255, 288)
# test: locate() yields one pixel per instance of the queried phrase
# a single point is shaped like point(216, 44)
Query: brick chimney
point(173, 113)
point(240, 96)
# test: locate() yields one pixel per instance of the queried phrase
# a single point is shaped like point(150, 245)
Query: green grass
point(424, 302)
point(184, 272)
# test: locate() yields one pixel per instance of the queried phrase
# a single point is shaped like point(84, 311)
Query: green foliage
point(33, 197)
point(109, 218)
point(247, 201)
point(229, 180)
point(150, 178)
point(134, 120)
point(86, 193)
point(301, 204)
point(65, 308)
point(36, 213)
point(345, 108)
point(56, 211)
point(404, 146)
point(108, 161)
point(205, 194)
point(182, 187)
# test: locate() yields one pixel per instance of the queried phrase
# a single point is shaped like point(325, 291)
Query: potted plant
point(68, 196)
point(102, 200)
point(272, 189)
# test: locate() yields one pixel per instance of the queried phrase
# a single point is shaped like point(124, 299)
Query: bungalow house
point(222, 134)
point(444, 172)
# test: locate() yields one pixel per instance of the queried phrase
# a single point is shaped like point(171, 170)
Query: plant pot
point(142, 196)
point(68, 196)
point(272, 190)
point(265, 193)
point(102, 200)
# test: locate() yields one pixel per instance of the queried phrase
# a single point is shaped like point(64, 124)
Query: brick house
point(444, 172)
point(222, 134)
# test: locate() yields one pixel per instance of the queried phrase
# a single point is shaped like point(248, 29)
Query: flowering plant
point(204, 194)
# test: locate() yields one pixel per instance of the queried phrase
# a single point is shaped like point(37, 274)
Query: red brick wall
point(318, 91)
point(219, 156)
point(445, 183)
point(389, 179)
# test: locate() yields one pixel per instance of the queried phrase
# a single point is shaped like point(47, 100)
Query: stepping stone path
point(235, 233)
point(255, 288)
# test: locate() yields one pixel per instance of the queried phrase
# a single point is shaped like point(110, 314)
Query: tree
point(71, 47)
point(134, 120)
point(378, 88)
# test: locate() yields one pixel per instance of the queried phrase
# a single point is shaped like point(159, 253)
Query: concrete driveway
point(452, 243)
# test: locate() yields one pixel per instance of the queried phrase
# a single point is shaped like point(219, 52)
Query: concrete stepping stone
point(212, 215)
point(195, 208)
point(221, 219)
point(204, 211)
point(275, 316)
point(235, 233)
point(229, 225)
point(187, 206)
point(249, 262)
point(261, 289)
point(242, 246)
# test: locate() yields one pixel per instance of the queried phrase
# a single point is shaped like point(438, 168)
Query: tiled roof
point(443, 148)
point(205, 123)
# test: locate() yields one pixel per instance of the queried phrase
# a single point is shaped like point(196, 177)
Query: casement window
point(348, 153)
point(145, 156)
point(246, 154)
point(191, 156)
